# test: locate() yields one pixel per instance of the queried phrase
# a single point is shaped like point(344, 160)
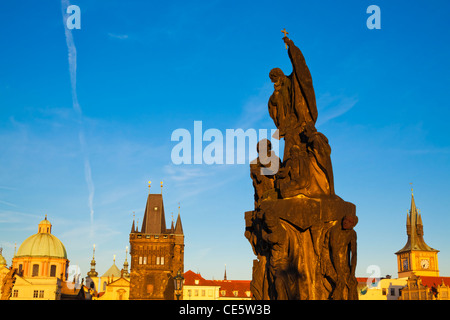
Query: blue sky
point(147, 68)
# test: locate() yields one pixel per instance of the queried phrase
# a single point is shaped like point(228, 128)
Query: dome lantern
point(45, 226)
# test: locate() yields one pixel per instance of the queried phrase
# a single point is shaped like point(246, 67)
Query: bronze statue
point(300, 230)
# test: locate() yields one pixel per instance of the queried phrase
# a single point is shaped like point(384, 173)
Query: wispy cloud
point(72, 56)
point(118, 36)
point(255, 108)
point(331, 107)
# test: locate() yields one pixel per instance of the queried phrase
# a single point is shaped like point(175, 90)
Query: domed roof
point(42, 244)
point(45, 221)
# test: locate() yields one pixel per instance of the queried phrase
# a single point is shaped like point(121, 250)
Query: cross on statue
point(285, 35)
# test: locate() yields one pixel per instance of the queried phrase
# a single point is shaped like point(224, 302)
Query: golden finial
point(161, 186)
point(149, 185)
point(172, 216)
point(114, 258)
point(411, 188)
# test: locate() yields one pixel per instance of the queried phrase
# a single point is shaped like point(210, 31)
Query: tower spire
point(92, 272)
point(133, 228)
point(413, 222)
point(178, 226)
point(225, 274)
point(125, 264)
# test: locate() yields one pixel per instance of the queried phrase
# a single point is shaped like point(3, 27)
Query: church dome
point(42, 244)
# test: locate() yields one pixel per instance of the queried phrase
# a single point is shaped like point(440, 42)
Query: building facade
point(157, 254)
point(198, 288)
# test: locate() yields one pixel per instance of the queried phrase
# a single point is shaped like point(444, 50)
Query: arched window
point(53, 271)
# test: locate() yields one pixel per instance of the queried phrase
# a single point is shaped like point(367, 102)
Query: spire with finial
point(161, 186)
point(133, 226)
point(414, 229)
point(225, 274)
point(149, 186)
point(92, 272)
point(125, 264)
point(178, 226)
point(172, 228)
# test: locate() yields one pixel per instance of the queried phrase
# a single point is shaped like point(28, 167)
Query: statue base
point(306, 249)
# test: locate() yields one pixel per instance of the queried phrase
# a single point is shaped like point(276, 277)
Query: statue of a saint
point(293, 101)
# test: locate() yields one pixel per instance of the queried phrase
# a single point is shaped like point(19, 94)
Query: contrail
point(72, 55)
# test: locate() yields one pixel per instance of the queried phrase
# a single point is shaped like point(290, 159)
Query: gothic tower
point(157, 253)
point(416, 256)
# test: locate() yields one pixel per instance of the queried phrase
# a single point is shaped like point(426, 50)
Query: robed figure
point(300, 231)
point(292, 106)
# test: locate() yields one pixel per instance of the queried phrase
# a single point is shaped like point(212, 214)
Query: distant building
point(40, 268)
point(197, 288)
point(157, 253)
point(426, 288)
point(416, 257)
point(114, 284)
point(380, 289)
point(418, 270)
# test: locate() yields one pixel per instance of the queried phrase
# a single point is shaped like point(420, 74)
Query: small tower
point(416, 256)
point(125, 272)
point(92, 273)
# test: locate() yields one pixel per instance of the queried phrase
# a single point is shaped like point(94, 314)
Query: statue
point(300, 230)
point(263, 170)
point(8, 284)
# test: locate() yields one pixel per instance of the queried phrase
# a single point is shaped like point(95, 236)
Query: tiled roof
point(228, 288)
point(434, 281)
point(191, 279)
point(234, 288)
